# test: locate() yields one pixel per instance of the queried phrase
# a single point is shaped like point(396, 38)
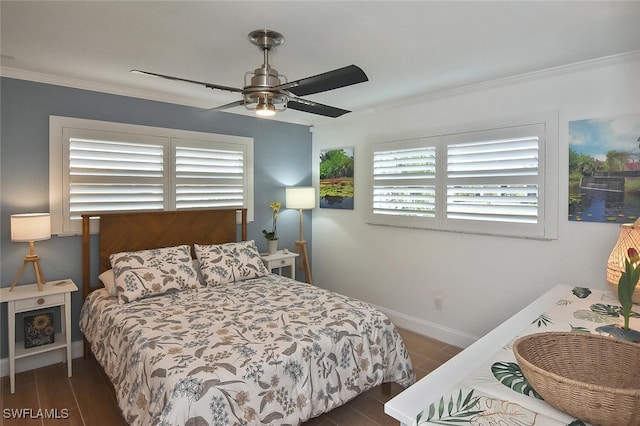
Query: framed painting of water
point(336, 178)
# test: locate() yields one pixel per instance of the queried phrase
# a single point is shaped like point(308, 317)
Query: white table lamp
point(302, 198)
point(31, 227)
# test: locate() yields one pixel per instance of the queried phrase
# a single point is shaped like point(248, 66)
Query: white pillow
point(231, 262)
point(151, 272)
point(108, 279)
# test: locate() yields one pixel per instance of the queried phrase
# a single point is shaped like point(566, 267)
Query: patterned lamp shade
point(629, 237)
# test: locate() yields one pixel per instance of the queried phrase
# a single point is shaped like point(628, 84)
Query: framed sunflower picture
point(38, 330)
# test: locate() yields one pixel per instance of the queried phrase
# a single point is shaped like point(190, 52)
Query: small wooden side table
point(25, 298)
point(280, 260)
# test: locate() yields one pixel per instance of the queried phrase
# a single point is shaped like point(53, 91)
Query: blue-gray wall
point(282, 155)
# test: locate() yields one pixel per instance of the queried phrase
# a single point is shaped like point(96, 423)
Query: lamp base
point(35, 260)
point(301, 247)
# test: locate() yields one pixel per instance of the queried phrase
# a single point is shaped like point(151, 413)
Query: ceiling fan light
point(266, 112)
point(265, 109)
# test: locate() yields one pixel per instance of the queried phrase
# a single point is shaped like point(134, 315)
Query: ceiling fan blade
point(329, 80)
point(229, 105)
point(202, 83)
point(315, 108)
point(225, 106)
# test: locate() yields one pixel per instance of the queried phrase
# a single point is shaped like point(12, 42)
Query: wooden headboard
point(145, 230)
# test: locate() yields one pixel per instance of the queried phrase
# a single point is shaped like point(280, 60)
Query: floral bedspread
point(264, 351)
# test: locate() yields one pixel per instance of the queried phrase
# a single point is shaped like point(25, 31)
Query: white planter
point(273, 246)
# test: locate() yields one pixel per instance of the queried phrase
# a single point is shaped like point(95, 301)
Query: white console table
point(563, 308)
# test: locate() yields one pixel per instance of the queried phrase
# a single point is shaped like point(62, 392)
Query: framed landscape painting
point(336, 179)
point(604, 169)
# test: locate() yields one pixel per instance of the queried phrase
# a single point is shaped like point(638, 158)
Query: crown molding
point(94, 86)
point(506, 81)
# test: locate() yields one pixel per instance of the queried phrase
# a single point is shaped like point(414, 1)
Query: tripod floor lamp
point(301, 198)
point(30, 227)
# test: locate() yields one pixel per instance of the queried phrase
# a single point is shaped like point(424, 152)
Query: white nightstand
point(25, 298)
point(280, 260)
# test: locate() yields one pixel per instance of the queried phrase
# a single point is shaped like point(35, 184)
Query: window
point(404, 181)
point(500, 181)
point(99, 166)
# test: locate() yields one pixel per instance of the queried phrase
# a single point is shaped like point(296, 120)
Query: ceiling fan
point(266, 91)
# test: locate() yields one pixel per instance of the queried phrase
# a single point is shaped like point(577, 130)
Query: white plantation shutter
point(208, 177)
point(404, 200)
point(404, 181)
point(494, 178)
point(507, 157)
point(99, 167)
point(107, 174)
point(489, 181)
point(499, 203)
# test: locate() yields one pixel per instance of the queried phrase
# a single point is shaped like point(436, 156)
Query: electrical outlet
point(437, 303)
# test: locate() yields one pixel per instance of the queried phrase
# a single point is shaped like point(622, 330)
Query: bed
point(245, 347)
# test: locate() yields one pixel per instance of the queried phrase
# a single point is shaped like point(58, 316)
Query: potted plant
point(626, 287)
point(272, 236)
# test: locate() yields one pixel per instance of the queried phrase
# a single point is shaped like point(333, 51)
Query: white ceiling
point(407, 48)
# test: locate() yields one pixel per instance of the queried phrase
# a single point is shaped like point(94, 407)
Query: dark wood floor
point(85, 399)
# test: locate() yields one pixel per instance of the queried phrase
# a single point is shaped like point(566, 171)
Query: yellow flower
point(275, 207)
point(40, 322)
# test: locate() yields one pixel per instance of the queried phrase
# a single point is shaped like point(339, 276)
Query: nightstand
point(280, 260)
point(25, 298)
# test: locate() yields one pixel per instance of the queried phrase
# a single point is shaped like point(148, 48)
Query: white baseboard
point(426, 328)
point(41, 360)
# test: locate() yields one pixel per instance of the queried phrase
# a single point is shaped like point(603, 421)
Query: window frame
point(59, 128)
point(546, 227)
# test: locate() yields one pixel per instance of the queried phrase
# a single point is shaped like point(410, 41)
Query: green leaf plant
point(627, 284)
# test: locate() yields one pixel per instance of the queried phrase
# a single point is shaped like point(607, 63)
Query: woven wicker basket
point(594, 378)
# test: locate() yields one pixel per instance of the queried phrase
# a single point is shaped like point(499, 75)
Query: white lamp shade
point(300, 197)
point(30, 227)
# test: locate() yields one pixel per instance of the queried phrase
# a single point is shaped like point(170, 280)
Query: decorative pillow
point(226, 263)
point(108, 279)
point(151, 272)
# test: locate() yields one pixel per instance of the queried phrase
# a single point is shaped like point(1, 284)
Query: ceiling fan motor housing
point(264, 77)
